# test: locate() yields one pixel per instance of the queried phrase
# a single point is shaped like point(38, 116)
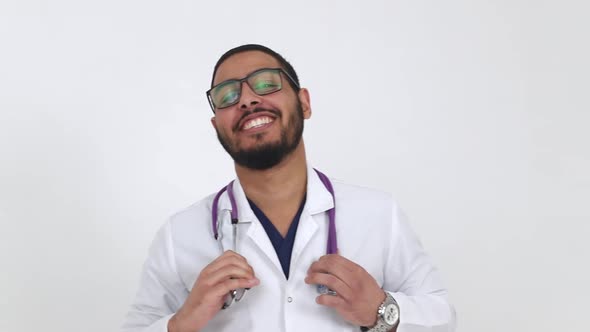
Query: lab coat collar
point(318, 200)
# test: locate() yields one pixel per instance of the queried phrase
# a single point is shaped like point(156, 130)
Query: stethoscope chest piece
point(233, 295)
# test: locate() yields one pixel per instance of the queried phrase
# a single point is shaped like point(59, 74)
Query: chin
point(256, 140)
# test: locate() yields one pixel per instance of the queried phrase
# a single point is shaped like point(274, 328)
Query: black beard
point(270, 154)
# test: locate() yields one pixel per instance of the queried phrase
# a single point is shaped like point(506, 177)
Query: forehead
point(241, 64)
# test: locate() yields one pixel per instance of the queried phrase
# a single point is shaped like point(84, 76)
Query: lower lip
point(257, 129)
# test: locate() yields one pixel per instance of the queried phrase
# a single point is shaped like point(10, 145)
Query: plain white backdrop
point(474, 114)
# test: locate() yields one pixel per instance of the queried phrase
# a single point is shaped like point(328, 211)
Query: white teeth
point(257, 122)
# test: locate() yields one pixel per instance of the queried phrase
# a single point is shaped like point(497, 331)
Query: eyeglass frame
point(245, 79)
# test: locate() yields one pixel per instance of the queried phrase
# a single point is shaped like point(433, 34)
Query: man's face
point(259, 131)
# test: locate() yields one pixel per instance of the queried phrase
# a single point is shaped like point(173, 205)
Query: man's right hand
point(228, 272)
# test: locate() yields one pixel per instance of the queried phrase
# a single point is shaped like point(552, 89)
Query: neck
point(280, 187)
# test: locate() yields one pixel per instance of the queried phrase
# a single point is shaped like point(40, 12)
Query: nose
point(248, 98)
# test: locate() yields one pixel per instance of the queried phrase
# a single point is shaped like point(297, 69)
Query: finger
point(228, 263)
point(221, 289)
point(228, 272)
point(332, 282)
point(229, 254)
point(330, 301)
point(342, 261)
point(329, 262)
point(338, 266)
point(228, 259)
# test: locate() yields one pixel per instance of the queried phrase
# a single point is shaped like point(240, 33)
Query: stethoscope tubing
point(331, 247)
point(332, 243)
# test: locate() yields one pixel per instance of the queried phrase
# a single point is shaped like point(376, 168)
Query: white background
point(473, 113)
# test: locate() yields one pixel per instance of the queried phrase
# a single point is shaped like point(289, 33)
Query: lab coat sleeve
point(415, 283)
point(161, 291)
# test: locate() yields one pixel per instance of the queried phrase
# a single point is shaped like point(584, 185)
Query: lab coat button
point(289, 299)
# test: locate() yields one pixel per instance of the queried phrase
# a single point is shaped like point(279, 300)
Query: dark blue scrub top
point(283, 246)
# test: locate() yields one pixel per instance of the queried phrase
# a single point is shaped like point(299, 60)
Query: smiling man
point(283, 247)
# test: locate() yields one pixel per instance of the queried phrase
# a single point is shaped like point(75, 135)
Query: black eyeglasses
point(263, 82)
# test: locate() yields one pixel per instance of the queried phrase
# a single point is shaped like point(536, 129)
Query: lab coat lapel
point(319, 200)
point(255, 231)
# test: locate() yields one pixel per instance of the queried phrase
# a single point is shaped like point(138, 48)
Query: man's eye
point(229, 97)
point(266, 85)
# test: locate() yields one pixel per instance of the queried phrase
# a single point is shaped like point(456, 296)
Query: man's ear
point(305, 100)
point(214, 123)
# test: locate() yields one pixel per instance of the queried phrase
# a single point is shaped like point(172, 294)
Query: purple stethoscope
point(332, 246)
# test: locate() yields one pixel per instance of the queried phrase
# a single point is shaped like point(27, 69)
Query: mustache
point(254, 111)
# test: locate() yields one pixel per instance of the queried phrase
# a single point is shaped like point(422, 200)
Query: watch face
point(391, 315)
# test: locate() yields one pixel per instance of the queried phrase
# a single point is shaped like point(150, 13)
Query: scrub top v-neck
point(283, 246)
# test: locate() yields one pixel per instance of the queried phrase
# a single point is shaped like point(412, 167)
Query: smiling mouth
point(257, 122)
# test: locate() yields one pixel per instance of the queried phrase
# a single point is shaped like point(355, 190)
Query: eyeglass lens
point(262, 82)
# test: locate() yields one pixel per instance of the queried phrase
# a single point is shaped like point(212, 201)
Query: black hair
point(255, 47)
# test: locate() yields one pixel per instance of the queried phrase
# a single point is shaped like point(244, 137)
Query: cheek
point(282, 104)
point(281, 101)
point(225, 121)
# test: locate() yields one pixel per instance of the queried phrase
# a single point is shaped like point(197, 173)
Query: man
point(278, 275)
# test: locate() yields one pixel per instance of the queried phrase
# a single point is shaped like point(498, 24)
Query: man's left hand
point(358, 294)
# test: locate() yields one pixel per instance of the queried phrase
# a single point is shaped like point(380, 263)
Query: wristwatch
point(387, 316)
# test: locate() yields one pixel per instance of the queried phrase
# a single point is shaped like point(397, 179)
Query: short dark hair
point(256, 47)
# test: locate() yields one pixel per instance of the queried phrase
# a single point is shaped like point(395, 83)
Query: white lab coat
point(370, 231)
